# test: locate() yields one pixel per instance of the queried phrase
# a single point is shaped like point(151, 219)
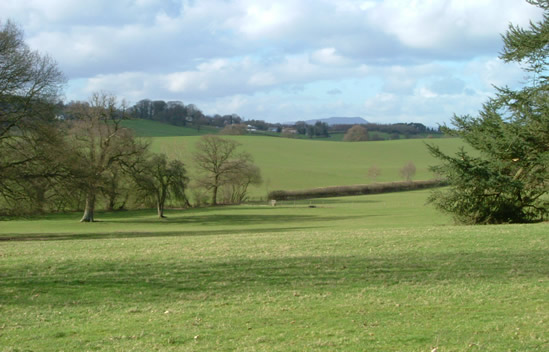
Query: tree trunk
point(90, 207)
point(111, 202)
point(160, 209)
point(214, 196)
point(160, 201)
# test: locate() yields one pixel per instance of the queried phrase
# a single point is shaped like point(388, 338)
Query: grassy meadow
point(371, 273)
point(148, 128)
point(288, 164)
point(383, 272)
point(295, 163)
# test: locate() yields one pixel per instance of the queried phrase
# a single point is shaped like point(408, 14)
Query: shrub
point(356, 133)
point(355, 190)
point(236, 129)
point(408, 171)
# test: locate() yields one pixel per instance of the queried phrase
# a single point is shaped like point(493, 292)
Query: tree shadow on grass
point(228, 222)
point(320, 201)
point(237, 219)
point(130, 234)
point(120, 280)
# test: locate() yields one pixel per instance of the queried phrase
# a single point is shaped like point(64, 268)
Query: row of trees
point(407, 172)
point(52, 164)
point(47, 162)
point(179, 114)
point(319, 129)
point(395, 130)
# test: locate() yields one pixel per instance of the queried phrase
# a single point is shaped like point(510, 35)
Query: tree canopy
point(507, 179)
point(30, 143)
point(356, 133)
point(221, 164)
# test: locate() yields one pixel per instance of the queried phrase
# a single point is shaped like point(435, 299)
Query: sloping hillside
point(298, 164)
point(148, 128)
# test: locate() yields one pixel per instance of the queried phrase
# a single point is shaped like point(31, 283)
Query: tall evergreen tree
point(507, 179)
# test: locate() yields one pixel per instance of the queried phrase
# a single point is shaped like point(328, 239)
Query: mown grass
point(371, 273)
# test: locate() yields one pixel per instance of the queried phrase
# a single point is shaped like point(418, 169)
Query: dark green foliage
point(508, 180)
point(380, 131)
point(319, 129)
point(355, 190)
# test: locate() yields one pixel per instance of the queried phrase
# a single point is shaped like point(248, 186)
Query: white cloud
point(262, 79)
point(328, 56)
point(449, 25)
point(493, 71)
point(281, 59)
point(266, 19)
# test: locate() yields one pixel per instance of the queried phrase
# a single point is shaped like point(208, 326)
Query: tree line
point(394, 130)
point(48, 163)
point(178, 114)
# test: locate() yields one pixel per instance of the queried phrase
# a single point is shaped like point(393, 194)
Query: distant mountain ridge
point(339, 121)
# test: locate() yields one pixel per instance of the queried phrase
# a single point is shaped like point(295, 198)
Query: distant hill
point(339, 121)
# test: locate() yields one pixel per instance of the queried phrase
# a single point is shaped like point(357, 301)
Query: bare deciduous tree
point(408, 171)
point(157, 178)
point(356, 133)
point(235, 129)
point(239, 181)
point(99, 143)
point(374, 172)
point(219, 162)
point(29, 82)
point(29, 88)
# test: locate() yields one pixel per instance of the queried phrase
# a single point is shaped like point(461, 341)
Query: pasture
point(371, 273)
point(288, 164)
point(148, 128)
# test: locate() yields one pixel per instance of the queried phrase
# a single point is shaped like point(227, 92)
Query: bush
point(408, 171)
point(356, 133)
point(235, 130)
point(355, 190)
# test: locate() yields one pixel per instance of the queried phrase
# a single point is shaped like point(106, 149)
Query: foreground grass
point(290, 278)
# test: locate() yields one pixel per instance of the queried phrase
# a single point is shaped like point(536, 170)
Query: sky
point(286, 60)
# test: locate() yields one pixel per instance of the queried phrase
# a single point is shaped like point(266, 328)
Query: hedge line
point(355, 190)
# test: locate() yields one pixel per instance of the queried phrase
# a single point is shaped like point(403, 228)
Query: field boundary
point(356, 190)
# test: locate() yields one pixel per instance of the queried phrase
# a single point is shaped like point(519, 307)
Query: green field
point(372, 273)
point(290, 164)
point(382, 272)
point(299, 164)
point(148, 128)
